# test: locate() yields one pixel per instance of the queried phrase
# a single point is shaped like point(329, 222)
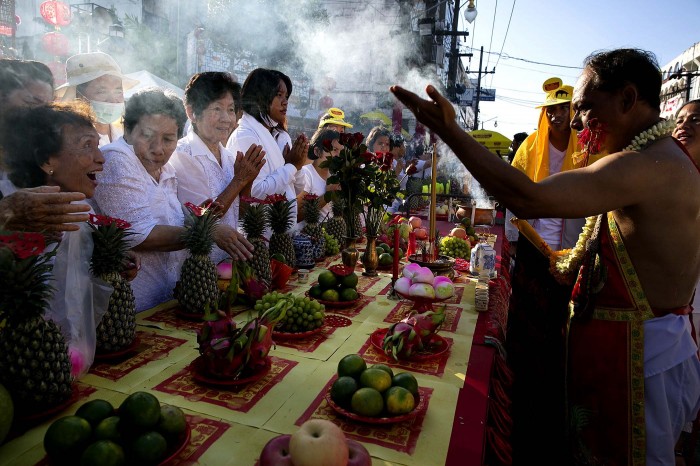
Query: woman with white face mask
point(96, 78)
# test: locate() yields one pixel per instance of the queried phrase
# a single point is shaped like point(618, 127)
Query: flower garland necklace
point(564, 263)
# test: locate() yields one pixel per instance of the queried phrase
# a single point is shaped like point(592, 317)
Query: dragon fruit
point(228, 351)
point(426, 324)
point(253, 287)
point(412, 334)
point(401, 341)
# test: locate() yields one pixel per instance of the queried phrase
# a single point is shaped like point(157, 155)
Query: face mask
point(107, 112)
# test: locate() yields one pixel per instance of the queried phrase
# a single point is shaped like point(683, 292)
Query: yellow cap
point(557, 92)
point(334, 116)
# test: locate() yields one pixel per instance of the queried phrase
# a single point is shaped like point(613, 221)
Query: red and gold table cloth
point(230, 425)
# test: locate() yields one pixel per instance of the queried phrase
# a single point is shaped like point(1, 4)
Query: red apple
point(420, 233)
point(415, 222)
point(319, 442)
point(359, 456)
point(276, 452)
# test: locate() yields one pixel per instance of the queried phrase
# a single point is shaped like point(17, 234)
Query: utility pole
point(689, 81)
point(452, 63)
point(478, 88)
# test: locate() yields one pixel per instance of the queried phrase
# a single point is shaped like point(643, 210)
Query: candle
point(395, 269)
point(433, 202)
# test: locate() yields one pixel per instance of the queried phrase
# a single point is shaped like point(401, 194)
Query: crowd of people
point(627, 209)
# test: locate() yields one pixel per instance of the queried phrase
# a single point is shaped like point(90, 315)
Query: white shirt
point(127, 191)
point(550, 229)
point(314, 184)
point(276, 176)
point(284, 140)
point(200, 177)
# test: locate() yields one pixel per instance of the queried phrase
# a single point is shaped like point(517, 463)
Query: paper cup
point(303, 275)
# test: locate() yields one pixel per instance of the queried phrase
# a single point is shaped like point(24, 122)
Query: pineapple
point(336, 226)
point(117, 329)
point(197, 288)
point(253, 222)
point(34, 362)
point(281, 221)
point(312, 214)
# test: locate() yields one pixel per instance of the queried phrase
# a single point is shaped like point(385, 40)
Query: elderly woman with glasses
point(139, 186)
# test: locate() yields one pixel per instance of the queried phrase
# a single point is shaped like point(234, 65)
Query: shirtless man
point(633, 371)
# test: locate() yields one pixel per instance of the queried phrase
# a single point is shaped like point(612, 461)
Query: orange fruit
point(103, 453)
point(407, 381)
point(398, 400)
point(378, 379)
point(351, 365)
point(385, 368)
point(95, 410)
point(330, 295)
point(342, 391)
point(67, 437)
point(140, 409)
point(367, 402)
point(327, 280)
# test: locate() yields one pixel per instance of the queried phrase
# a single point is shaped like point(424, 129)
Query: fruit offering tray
point(421, 305)
point(200, 375)
point(436, 347)
point(420, 406)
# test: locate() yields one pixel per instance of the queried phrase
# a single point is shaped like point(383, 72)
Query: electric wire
point(505, 36)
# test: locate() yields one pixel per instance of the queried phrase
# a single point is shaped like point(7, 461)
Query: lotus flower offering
point(421, 286)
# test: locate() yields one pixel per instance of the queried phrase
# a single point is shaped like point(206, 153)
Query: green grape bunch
point(455, 247)
point(332, 246)
point(305, 315)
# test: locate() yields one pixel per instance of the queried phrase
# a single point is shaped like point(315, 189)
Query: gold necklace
point(564, 264)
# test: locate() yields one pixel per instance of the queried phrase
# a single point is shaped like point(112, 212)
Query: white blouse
point(127, 191)
point(276, 176)
point(200, 177)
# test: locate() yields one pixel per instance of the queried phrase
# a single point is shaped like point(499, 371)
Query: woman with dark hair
point(205, 169)
point(138, 185)
point(264, 99)
point(25, 83)
point(324, 143)
point(57, 145)
point(53, 145)
point(378, 139)
point(30, 84)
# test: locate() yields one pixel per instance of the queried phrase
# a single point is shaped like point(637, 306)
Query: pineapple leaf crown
point(255, 216)
point(25, 271)
point(200, 222)
point(280, 212)
point(311, 208)
point(109, 236)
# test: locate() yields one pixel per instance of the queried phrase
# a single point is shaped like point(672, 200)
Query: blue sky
point(564, 32)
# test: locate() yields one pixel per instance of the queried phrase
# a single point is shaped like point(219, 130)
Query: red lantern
point(55, 13)
point(325, 102)
point(55, 43)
